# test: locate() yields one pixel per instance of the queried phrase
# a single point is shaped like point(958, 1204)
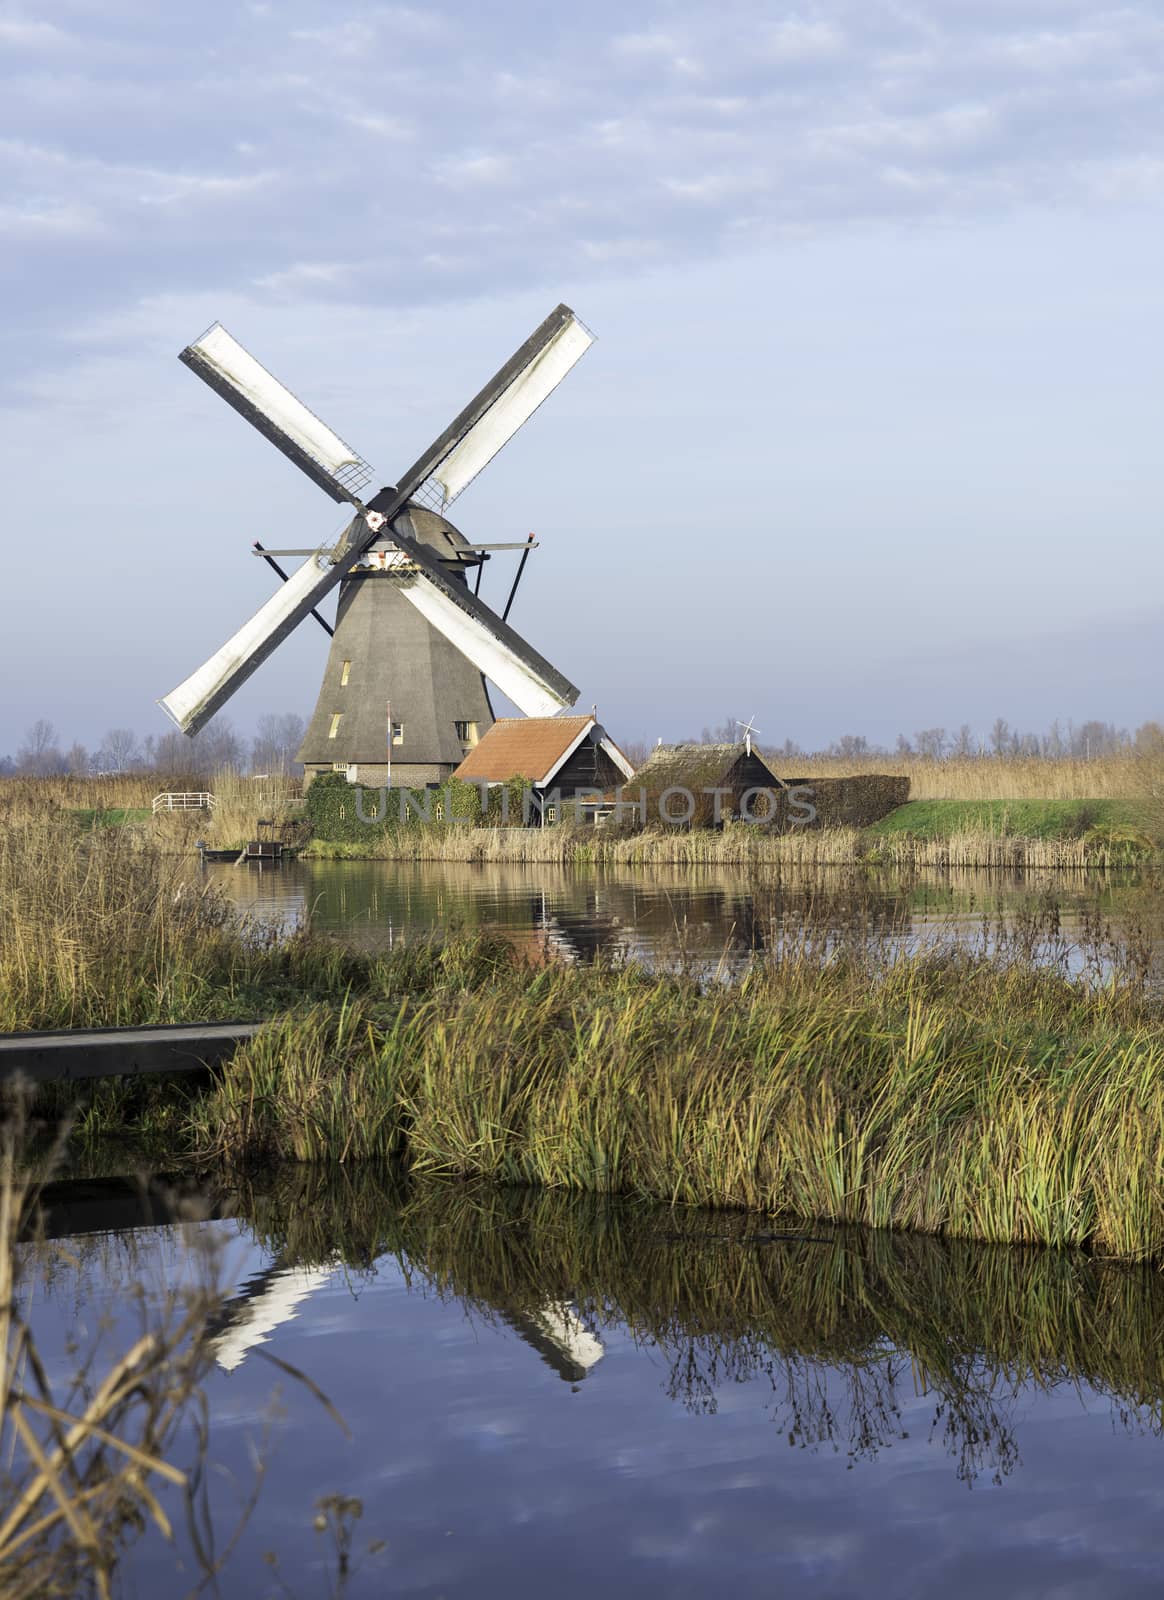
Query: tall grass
point(126, 801)
point(975, 1093)
point(100, 929)
point(738, 845)
point(947, 1093)
point(1114, 777)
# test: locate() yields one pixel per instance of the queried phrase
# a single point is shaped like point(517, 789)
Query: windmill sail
point(514, 396)
point(198, 697)
point(491, 645)
point(220, 361)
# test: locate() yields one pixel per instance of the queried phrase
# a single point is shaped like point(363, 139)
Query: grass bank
point(101, 928)
point(979, 1098)
point(942, 834)
point(975, 1094)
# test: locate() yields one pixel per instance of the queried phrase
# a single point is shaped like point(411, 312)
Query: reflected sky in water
point(546, 1397)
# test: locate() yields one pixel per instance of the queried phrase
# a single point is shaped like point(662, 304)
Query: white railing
point(194, 800)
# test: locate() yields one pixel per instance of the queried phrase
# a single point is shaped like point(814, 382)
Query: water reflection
point(669, 914)
point(505, 1357)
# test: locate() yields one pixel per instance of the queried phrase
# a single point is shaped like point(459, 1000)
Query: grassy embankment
point(126, 802)
point(1009, 814)
point(892, 843)
point(969, 1095)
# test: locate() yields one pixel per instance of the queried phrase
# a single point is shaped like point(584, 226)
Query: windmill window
point(336, 718)
point(466, 732)
point(345, 674)
point(398, 733)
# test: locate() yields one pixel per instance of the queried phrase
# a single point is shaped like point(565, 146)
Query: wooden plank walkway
point(73, 1053)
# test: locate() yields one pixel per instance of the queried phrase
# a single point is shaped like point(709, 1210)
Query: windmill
point(412, 644)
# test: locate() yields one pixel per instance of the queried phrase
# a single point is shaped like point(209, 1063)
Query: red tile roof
point(522, 747)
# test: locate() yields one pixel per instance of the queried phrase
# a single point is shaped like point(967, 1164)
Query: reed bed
point(125, 803)
point(737, 845)
point(982, 1093)
point(974, 1096)
point(1113, 777)
point(100, 928)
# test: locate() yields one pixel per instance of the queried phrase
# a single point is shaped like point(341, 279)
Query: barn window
point(466, 732)
point(551, 813)
point(398, 733)
point(336, 718)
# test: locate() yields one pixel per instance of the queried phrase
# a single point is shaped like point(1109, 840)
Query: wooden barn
point(565, 755)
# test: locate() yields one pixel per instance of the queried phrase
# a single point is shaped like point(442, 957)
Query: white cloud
point(22, 33)
point(474, 172)
point(795, 40)
point(515, 152)
point(653, 46)
point(53, 222)
point(306, 275)
point(383, 127)
point(712, 188)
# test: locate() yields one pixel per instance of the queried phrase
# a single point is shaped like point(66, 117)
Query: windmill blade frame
point(505, 404)
point(231, 371)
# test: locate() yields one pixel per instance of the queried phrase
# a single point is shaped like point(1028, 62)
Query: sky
point(869, 440)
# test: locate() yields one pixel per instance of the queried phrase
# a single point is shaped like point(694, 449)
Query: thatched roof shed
point(702, 783)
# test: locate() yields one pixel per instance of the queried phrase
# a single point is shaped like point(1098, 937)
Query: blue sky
point(870, 439)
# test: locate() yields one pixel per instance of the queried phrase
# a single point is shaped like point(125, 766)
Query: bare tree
point(77, 761)
point(277, 744)
point(39, 756)
point(850, 745)
point(119, 750)
point(931, 743)
point(1000, 736)
point(219, 748)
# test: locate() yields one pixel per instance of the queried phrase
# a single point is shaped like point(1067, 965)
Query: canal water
point(662, 915)
point(543, 1395)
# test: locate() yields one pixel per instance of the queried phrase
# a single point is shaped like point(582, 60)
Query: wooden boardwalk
point(72, 1053)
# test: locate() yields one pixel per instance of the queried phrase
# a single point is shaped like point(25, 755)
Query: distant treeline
point(1084, 741)
point(274, 746)
point(218, 748)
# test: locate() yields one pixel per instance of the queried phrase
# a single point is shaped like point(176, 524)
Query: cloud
point(474, 171)
point(451, 150)
point(796, 40)
point(23, 33)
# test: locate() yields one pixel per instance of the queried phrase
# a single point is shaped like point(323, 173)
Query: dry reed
point(1113, 777)
point(947, 1092)
point(85, 1457)
point(737, 845)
